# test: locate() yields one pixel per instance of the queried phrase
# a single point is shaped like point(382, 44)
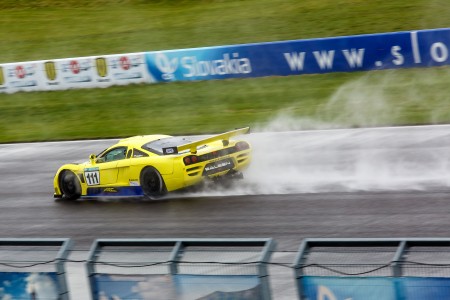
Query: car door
point(107, 165)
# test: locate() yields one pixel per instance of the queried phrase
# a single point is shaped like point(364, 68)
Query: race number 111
point(92, 177)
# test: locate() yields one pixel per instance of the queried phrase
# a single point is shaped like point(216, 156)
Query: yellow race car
point(152, 165)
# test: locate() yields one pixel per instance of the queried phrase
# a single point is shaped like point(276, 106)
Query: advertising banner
point(77, 72)
point(425, 48)
point(342, 288)
point(63, 74)
point(83, 72)
point(20, 77)
point(425, 288)
point(102, 71)
point(38, 286)
point(368, 288)
point(176, 287)
point(338, 54)
point(128, 68)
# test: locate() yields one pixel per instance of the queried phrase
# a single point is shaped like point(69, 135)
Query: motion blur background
point(38, 30)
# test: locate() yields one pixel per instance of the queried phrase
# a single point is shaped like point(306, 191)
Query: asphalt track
point(380, 182)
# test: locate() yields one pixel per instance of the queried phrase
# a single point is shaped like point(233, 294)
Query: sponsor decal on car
point(110, 190)
point(218, 166)
point(170, 150)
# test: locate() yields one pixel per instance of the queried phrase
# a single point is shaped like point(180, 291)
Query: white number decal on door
point(92, 176)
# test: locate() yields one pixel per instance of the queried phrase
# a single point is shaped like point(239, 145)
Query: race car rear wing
point(225, 137)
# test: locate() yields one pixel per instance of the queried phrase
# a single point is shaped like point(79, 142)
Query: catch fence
point(323, 269)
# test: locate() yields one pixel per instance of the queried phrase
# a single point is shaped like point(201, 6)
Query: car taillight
point(242, 146)
point(189, 160)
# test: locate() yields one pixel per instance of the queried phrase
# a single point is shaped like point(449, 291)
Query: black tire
point(152, 183)
point(69, 185)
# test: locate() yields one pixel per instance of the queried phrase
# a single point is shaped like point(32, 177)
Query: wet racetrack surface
point(344, 183)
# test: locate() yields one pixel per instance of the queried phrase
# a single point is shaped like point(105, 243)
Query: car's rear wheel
point(152, 183)
point(69, 185)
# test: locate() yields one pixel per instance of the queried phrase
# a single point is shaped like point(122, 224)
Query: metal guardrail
point(204, 257)
point(426, 257)
point(400, 262)
point(14, 255)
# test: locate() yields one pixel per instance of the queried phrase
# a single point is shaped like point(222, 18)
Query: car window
point(113, 154)
point(137, 153)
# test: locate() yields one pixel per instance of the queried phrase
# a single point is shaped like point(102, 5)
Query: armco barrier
point(192, 268)
point(424, 48)
point(406, 269)
point(33, 268)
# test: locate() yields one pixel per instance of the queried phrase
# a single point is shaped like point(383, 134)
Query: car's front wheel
point(152, 183)
point(69, 185)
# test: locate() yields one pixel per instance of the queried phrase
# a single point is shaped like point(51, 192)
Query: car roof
point(140, 140)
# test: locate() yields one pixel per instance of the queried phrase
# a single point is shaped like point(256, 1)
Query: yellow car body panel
point(152, 165)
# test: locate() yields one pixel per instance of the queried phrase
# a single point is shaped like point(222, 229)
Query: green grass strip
point(35, 30)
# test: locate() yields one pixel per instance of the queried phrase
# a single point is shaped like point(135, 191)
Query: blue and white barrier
point(374, 288)
point(424, 48)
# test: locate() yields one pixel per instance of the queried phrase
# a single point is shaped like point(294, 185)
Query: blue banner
point(426, 288)
point(174, 287)
point(375, 288)
point(424, 48)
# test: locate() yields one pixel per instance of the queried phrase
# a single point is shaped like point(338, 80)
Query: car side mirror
point(92, 158)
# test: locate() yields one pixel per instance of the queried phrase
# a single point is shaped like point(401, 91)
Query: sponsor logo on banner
point(166, 66)
point(20, 72)
point(102, 67)
point(50, 70)
point(74, 66)
point(77, 71)
point(191, 67)
point(51, 73)
point(22, 75)
point(125, 63)
point(324, 293)
point(127, 67)
point(2, 77)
